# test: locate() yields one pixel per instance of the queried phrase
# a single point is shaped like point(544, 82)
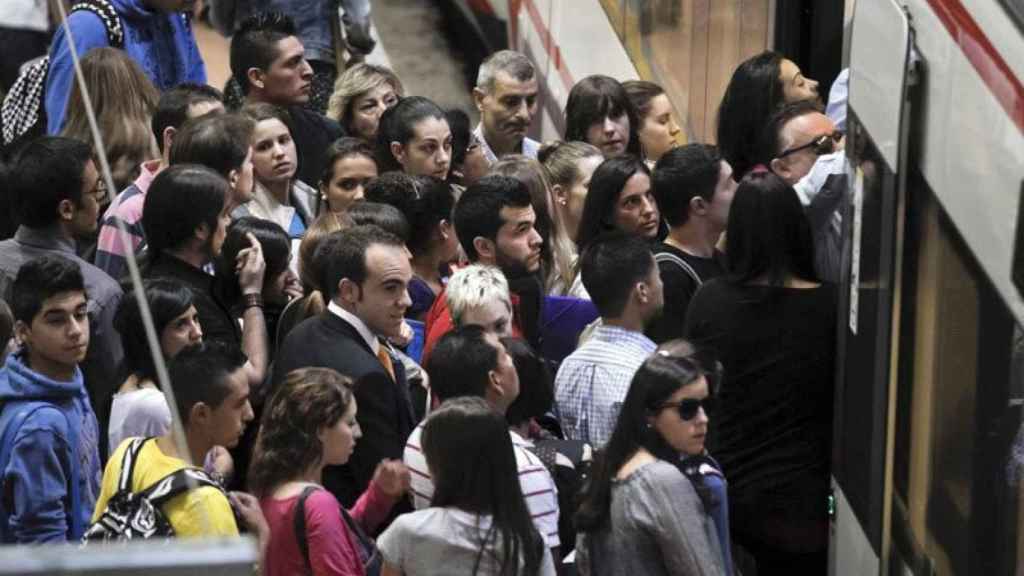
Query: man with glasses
point(57, 192)
point(806, 150)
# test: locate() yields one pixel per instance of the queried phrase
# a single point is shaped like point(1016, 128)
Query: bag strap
point(176, 483)
point(128, 459)
point(662, 257)
point(108, 15)
point(300, 525)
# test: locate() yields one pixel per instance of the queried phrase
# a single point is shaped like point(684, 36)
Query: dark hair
point(384, 216)
point(754, 92)
point(536, 382)
point(641, 93)
point(309, 400)
point(771, 139)
point(768, 235)
point(681, 174)
point(254, 44)
point(343, 148)
point(274, 242)
point(199, 374)
point(592, 100)
point(6, 328)
point(218, 141)
point(42, 278)
point(458, 123)
point(461, 362)
point(611, 266)
point(478, 211)
point(342, 255)
point(46, 172)
point(260, 111)
point(606, 184)
point(658, 378)
point(397, 124)
point(181, 199)
point(174, 104)
point(167, 299)
point(435, 203)
point(481, 477)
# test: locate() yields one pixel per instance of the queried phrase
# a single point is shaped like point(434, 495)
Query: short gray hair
point(510, 62)
point(473, 286)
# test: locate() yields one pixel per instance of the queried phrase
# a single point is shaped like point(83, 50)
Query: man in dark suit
point(366, 273)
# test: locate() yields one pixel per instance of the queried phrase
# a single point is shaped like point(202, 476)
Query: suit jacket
point(385, 411)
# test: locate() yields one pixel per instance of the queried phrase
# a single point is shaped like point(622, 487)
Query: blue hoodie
point(37, 474)
point(162, 44)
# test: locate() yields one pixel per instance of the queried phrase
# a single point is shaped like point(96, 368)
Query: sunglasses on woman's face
point(688, 407)
point(824, 144)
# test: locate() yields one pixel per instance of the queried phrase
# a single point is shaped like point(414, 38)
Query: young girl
point(599, 112)
point(478, 523)
point(310, 423)
point(350, 166)
point(642, 513)
point(658, 131)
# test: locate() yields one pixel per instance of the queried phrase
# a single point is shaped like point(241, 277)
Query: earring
point(563, 202)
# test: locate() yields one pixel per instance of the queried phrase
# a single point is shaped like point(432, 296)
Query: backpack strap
point(300, 526)
point(108, 15)
point(128, 459)
point(663, 257)
point(176, 483)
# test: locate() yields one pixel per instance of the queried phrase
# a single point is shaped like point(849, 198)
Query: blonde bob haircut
point(474, 286)
point(355, 82)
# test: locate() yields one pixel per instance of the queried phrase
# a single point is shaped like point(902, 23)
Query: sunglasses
point(824, 144)
point(688, 408)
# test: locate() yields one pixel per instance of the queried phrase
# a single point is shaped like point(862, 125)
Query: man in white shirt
point(506, 96)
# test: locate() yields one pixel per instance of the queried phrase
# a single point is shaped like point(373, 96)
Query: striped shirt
point(534, 479)
point(111, 256)
point(592, 382)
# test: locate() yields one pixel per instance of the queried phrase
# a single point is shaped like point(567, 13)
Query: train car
point(928, 448)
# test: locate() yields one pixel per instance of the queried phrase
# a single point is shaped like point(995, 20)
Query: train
point(928, 449)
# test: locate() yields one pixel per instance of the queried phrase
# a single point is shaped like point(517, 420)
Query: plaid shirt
point(592, 382)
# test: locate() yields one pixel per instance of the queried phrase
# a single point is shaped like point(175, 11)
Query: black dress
point(772, 431)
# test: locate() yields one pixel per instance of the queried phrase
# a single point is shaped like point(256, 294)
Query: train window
point(958, 459)
point(690, 48)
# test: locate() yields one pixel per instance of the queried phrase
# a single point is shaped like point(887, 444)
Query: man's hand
point(250, 266)
point(392, 477)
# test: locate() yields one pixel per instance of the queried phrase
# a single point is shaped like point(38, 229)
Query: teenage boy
point(49, 437)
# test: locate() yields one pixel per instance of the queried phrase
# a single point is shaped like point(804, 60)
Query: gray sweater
point(657, 525)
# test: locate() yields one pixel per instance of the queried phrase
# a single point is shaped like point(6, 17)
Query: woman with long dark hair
point(478, 523)
point(599, 112)
point(619, 199)
point(433, 243)
point(139, 407)
point(772, 325)
point(759, 86)
point(642, 513)
point(308, 424)
point(414, 138)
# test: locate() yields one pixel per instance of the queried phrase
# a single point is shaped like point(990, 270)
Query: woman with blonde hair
point(123, 100)
point(570, 166)
point(558, 255)
point(361, 95)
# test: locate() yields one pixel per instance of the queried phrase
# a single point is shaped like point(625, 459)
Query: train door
point(879, 106)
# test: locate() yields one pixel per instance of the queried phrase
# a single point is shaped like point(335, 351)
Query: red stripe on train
point(983, 56)
point(554, 52)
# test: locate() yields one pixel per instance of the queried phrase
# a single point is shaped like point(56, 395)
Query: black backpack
point(139, 515)
point(23, 111)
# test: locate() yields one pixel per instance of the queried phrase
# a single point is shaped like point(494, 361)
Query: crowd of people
point(400, 344)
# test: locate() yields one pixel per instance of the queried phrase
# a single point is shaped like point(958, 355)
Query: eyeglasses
point(99, 191)
point(688, 408)
point(824, 144)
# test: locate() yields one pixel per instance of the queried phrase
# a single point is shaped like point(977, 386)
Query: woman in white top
point(478, 522)
point(139, 407)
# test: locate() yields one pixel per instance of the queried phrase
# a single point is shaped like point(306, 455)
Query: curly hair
point(309, 400)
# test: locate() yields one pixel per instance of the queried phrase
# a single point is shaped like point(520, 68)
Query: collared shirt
point(528, 147)
point(535, 481)
point(356, 323)
point(111, 256)
point(592, 382)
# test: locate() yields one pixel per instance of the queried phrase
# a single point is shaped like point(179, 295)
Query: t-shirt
point(679, 287)
point(535, 481)
point(138, 413)
point(332, 546)
point(442, 541)
point(185, 512)
point(773, 426)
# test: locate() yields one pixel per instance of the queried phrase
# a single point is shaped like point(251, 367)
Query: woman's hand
point(250, 266)
point(248, 507)
point(405, 336)
point(392, 478)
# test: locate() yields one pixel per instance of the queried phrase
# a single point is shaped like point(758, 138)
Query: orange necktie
point(385, 360)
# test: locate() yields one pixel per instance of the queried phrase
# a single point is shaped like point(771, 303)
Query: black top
point(385, 411)
point(680, 286)
point(215, 316)
point(313, 133)
point(773, 427)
